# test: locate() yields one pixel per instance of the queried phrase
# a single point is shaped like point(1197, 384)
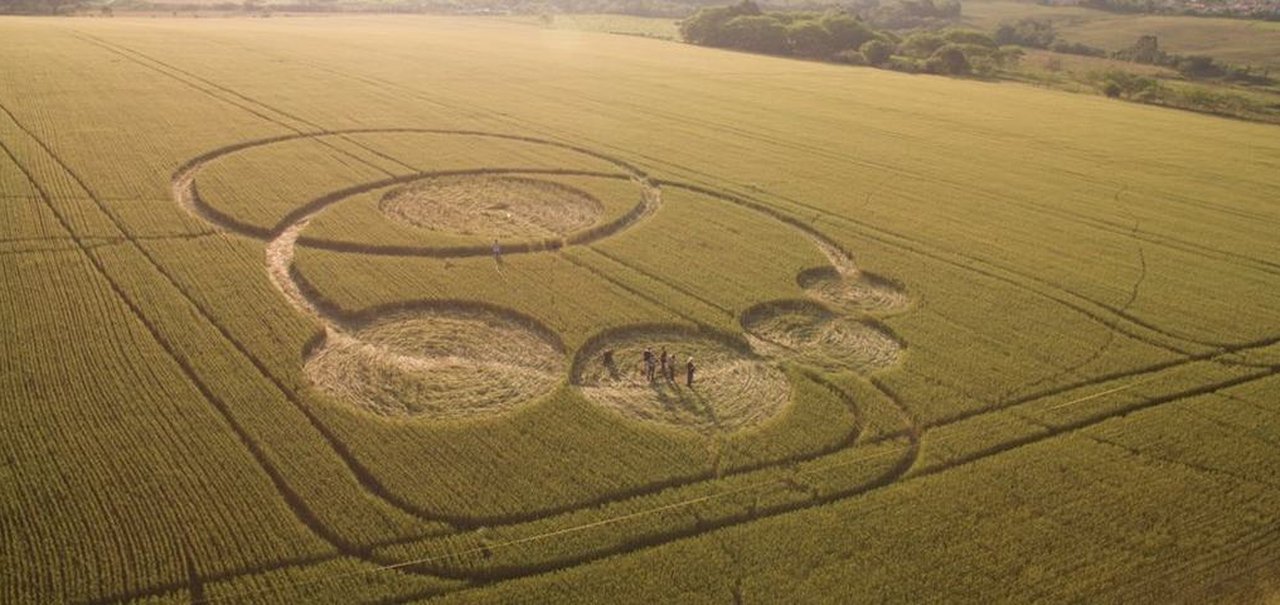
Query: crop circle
point(492, 206)
point(806, 333)
point(859, 291)
point(732, 389)
point(438, 363)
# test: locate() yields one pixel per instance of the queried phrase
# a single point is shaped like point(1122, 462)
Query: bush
point(1009, 56)
point(969, 37)
point(1198, 67)
point(850, 57)
point(809, 39)
point(904, 64)
point(1034, 33)
point(1146, 51)
point(707, 25)
point(1116, 83)
point(876, 52)
point(758, 33)
point(1218, 102)
point(743, 26)
point(846, 31)
point(1076, 48)
point(922, 45)
point(948, 60)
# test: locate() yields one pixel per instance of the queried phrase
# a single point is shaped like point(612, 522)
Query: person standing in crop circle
point(689, 369)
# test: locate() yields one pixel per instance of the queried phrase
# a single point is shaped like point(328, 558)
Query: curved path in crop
point(350, 350)
point(1092, 309)
point(826, 284)
point(367, 336)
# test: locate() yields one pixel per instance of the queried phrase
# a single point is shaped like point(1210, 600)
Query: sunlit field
point(354, 310)
point(1235, 41)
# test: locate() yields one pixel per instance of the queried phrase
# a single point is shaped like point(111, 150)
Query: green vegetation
point(954, 337)
point(1204, 83)
point(1232, 41)
point(841, 36)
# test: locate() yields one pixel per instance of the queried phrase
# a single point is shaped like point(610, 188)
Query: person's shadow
point(677, 398)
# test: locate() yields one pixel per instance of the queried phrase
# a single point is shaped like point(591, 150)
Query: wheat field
point(351, 310)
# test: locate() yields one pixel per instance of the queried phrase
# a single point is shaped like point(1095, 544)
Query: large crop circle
point(468, 358)
point(492, 205)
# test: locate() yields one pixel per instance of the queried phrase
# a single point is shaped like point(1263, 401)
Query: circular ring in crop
point(438, 361)
point(492, 205)
point(805, 332)
point(860, 291)
point(442, 361)
point(732, 387)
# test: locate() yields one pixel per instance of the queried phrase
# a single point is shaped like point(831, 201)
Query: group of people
point(664, 365)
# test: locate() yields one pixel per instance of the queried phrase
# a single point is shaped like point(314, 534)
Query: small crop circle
point(806, 333)
point(732, 388)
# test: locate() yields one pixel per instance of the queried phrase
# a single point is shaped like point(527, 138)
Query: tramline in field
point(354, 310)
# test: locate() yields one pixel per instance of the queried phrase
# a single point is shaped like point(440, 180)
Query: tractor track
point(304, 297)
point(918, 247)
point(916, 435)
point(1111, 335)
point(985, 453)
point(296, 503)
point(901, 469)
point(781, 141)
point(659, 161)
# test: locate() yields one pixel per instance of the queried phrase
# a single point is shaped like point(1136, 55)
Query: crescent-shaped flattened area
point(461, 213)
point(240, 188)
point(443, 361)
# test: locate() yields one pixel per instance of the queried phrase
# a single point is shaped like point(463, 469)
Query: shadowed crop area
point(450, 310)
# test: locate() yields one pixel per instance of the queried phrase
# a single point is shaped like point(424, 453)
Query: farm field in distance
point(1237, 41)
point(352, 310)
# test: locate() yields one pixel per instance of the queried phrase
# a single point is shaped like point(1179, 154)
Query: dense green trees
point(39, 7)
point(950, 59)
point(759, 33)
point(743, 26)
point(921, 45)
point(808, 38)
point(834, 35)
point(840, 36)
point(1033, 33)
point(847, 31)
point(706, 27)
point(876, 52)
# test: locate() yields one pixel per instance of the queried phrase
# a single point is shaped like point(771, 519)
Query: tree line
point(839, 36)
